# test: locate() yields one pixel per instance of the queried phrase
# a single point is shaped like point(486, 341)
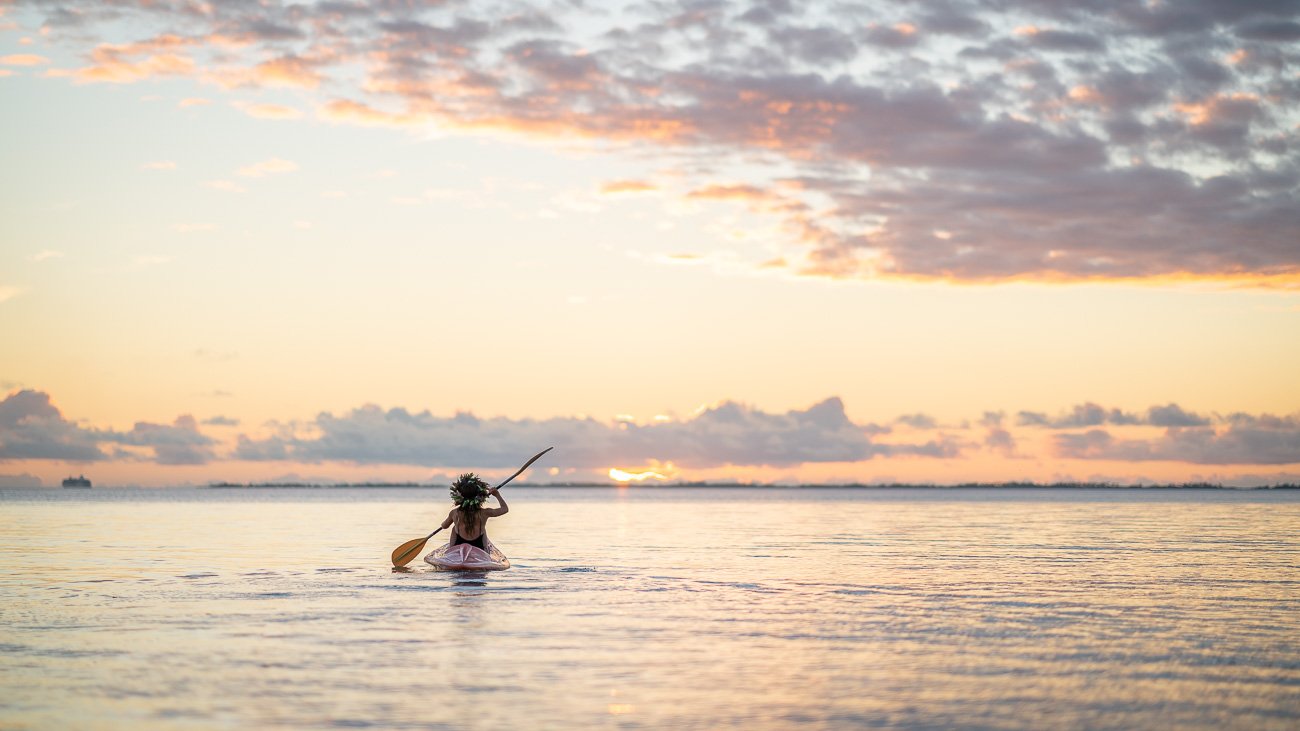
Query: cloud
point(615, 187)
point(179, 443)
point(1270, 30)
point(1087, 414)
point(271, 449)
point(1237, 444)
point(31, 427)
point(46, 254)
point(23, 480)
point(722, 435)
point(1051, 141)
point(23, 59)
point(998, 439)
point(898, 36)
point(273, 166)
point(917, 421)
point(288, 71)
point(816, 44)
point(354, 112)
point(732, 192)
point(1058, 40)
point(727, 433)
point(1091, 414)
point(8, 292)
point(268, 111)
point(165, 55)
point(1174, 415)
point(193, 102)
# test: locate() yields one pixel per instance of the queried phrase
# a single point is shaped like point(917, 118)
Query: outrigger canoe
point(464, 557)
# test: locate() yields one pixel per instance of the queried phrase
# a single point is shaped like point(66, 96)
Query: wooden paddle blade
point(403, 554)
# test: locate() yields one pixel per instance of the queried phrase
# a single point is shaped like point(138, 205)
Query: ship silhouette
point(77, 482)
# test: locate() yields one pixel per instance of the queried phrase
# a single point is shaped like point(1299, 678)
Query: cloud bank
point(31, 427)
point(727, 434)
point(971, 140)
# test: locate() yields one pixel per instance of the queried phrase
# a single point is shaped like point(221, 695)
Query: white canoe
point(464, 557)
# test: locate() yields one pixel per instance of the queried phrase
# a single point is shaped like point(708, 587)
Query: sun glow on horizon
point(625, 476)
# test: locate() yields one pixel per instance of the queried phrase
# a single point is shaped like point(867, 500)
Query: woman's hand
point(493, 492)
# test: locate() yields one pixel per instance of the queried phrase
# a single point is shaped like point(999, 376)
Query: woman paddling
point(470, 519)
point(469, 516)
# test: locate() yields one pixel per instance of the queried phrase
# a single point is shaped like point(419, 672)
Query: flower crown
point(473, 480)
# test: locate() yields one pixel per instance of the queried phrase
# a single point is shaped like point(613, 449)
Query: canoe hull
point(464, 557)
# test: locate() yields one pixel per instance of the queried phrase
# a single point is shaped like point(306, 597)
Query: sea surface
point(653, 609)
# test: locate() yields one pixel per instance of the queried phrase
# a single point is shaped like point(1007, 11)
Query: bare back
point(469, 527)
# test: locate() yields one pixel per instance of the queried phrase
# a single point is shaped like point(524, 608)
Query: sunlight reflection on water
point(653, 609)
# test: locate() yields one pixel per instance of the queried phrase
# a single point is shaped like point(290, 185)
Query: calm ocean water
point(762, 609)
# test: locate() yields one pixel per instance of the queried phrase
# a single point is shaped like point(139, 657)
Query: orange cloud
point(289, 71)
point(268, 111)
point(885, 158)
point(1216, 107)
point(627, 186)
point(23, 59)
point(1085, 95)
point(730, 192)
point(123, 72)
point(347, 111)
point(130, 62)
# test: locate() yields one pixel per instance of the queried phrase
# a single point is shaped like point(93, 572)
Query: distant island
point(689, 485)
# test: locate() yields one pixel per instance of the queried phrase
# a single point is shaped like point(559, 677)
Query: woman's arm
point(494, 512)
point(451, 518)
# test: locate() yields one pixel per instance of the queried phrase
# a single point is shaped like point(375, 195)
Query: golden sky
point(755, 241)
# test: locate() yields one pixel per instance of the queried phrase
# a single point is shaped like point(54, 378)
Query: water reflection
point(809, 610)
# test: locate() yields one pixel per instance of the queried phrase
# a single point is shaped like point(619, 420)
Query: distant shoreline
point(713, 485)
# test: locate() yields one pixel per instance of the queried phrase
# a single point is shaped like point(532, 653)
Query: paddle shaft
point(520, 471)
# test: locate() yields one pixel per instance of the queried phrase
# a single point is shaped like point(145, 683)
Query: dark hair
point(468, 492)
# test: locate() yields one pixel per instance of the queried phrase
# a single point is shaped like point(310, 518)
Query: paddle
point(403, 554)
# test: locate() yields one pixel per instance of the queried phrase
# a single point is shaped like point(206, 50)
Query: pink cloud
point(23, 59)
point(1145, 162)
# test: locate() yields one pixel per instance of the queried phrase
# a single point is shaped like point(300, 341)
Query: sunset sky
point(763, 241)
